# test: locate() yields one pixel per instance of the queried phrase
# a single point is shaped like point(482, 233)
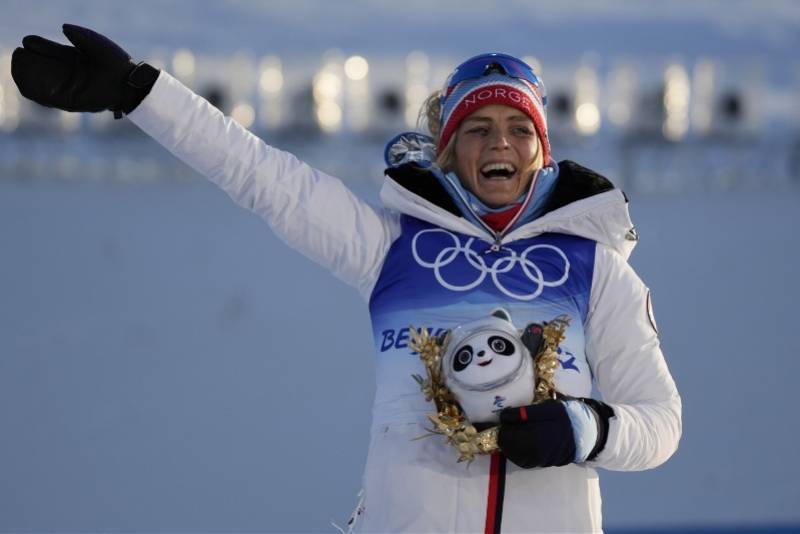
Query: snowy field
point(168, 365)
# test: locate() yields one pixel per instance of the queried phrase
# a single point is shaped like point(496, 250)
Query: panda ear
point(501, 313)
point(444, 337)
point(533, 338)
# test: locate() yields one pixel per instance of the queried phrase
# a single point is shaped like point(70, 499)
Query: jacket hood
point(583, 203)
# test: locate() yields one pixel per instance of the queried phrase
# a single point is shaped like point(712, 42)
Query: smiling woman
point(478, 217)
point(497, 154)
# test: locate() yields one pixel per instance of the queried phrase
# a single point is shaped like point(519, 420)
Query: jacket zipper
point(497, 236)
point(469, 207)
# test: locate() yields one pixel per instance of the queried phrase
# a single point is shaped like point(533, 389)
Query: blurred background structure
point(156, 367)
point(656, 123)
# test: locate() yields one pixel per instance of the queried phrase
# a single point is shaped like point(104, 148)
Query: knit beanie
point(494, 88)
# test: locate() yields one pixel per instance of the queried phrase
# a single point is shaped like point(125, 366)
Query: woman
point(477, 217)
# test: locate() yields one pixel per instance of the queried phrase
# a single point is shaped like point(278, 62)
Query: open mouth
point(498, 171)
point(487, 362)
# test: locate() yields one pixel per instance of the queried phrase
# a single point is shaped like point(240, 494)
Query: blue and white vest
point(437, 278)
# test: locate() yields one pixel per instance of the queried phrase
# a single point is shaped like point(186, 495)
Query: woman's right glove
point(554, 432)
point(93, 75)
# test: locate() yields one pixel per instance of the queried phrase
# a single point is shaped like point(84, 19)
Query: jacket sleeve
point(311, 211)
point(624, 352)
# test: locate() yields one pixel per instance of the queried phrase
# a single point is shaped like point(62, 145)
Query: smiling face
point(485, 357)
point(496, 152)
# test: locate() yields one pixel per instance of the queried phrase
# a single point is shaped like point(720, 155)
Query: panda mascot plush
point(488, 365)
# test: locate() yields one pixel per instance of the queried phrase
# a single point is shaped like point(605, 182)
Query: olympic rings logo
point(501, 266)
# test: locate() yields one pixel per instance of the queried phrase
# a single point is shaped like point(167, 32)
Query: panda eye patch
point(501, 345)
point(463, 358)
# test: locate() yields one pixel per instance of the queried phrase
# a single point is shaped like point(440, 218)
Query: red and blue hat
point(493, 79)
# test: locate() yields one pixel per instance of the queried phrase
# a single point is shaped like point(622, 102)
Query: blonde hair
point(429, 116)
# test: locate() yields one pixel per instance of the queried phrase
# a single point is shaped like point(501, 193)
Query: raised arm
point(313, 212)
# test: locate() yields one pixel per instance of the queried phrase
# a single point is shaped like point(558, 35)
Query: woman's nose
point(498, 139)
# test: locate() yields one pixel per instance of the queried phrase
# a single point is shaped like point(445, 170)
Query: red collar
point(498, 220)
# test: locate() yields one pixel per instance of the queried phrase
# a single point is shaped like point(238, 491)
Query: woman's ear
point(538, 161)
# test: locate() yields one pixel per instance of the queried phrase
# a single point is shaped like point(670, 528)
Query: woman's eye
point(477, 131)
point(523, 132)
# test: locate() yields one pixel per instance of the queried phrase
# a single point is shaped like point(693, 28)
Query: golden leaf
point(449, 421)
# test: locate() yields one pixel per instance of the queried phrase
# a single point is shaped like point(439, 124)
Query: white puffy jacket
point(417, 486)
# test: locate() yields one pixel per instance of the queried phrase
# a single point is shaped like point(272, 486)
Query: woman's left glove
point(94, 75)
point(554, 433)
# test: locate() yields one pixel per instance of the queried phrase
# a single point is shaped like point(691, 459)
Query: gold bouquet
point(449, 419)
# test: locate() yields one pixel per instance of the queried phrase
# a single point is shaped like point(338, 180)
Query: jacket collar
point(583, 203)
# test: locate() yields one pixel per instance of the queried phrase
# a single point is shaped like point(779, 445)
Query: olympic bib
point(482, 264)
point(429, 265)
point(438, 278)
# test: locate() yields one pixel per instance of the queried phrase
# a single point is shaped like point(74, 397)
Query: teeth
point(489, 167)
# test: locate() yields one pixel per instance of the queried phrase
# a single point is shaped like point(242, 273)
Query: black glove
point(542, 435)
point(539, 435)
point(93, 75)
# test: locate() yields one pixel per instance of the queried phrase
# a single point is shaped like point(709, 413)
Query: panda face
point(485, 357)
